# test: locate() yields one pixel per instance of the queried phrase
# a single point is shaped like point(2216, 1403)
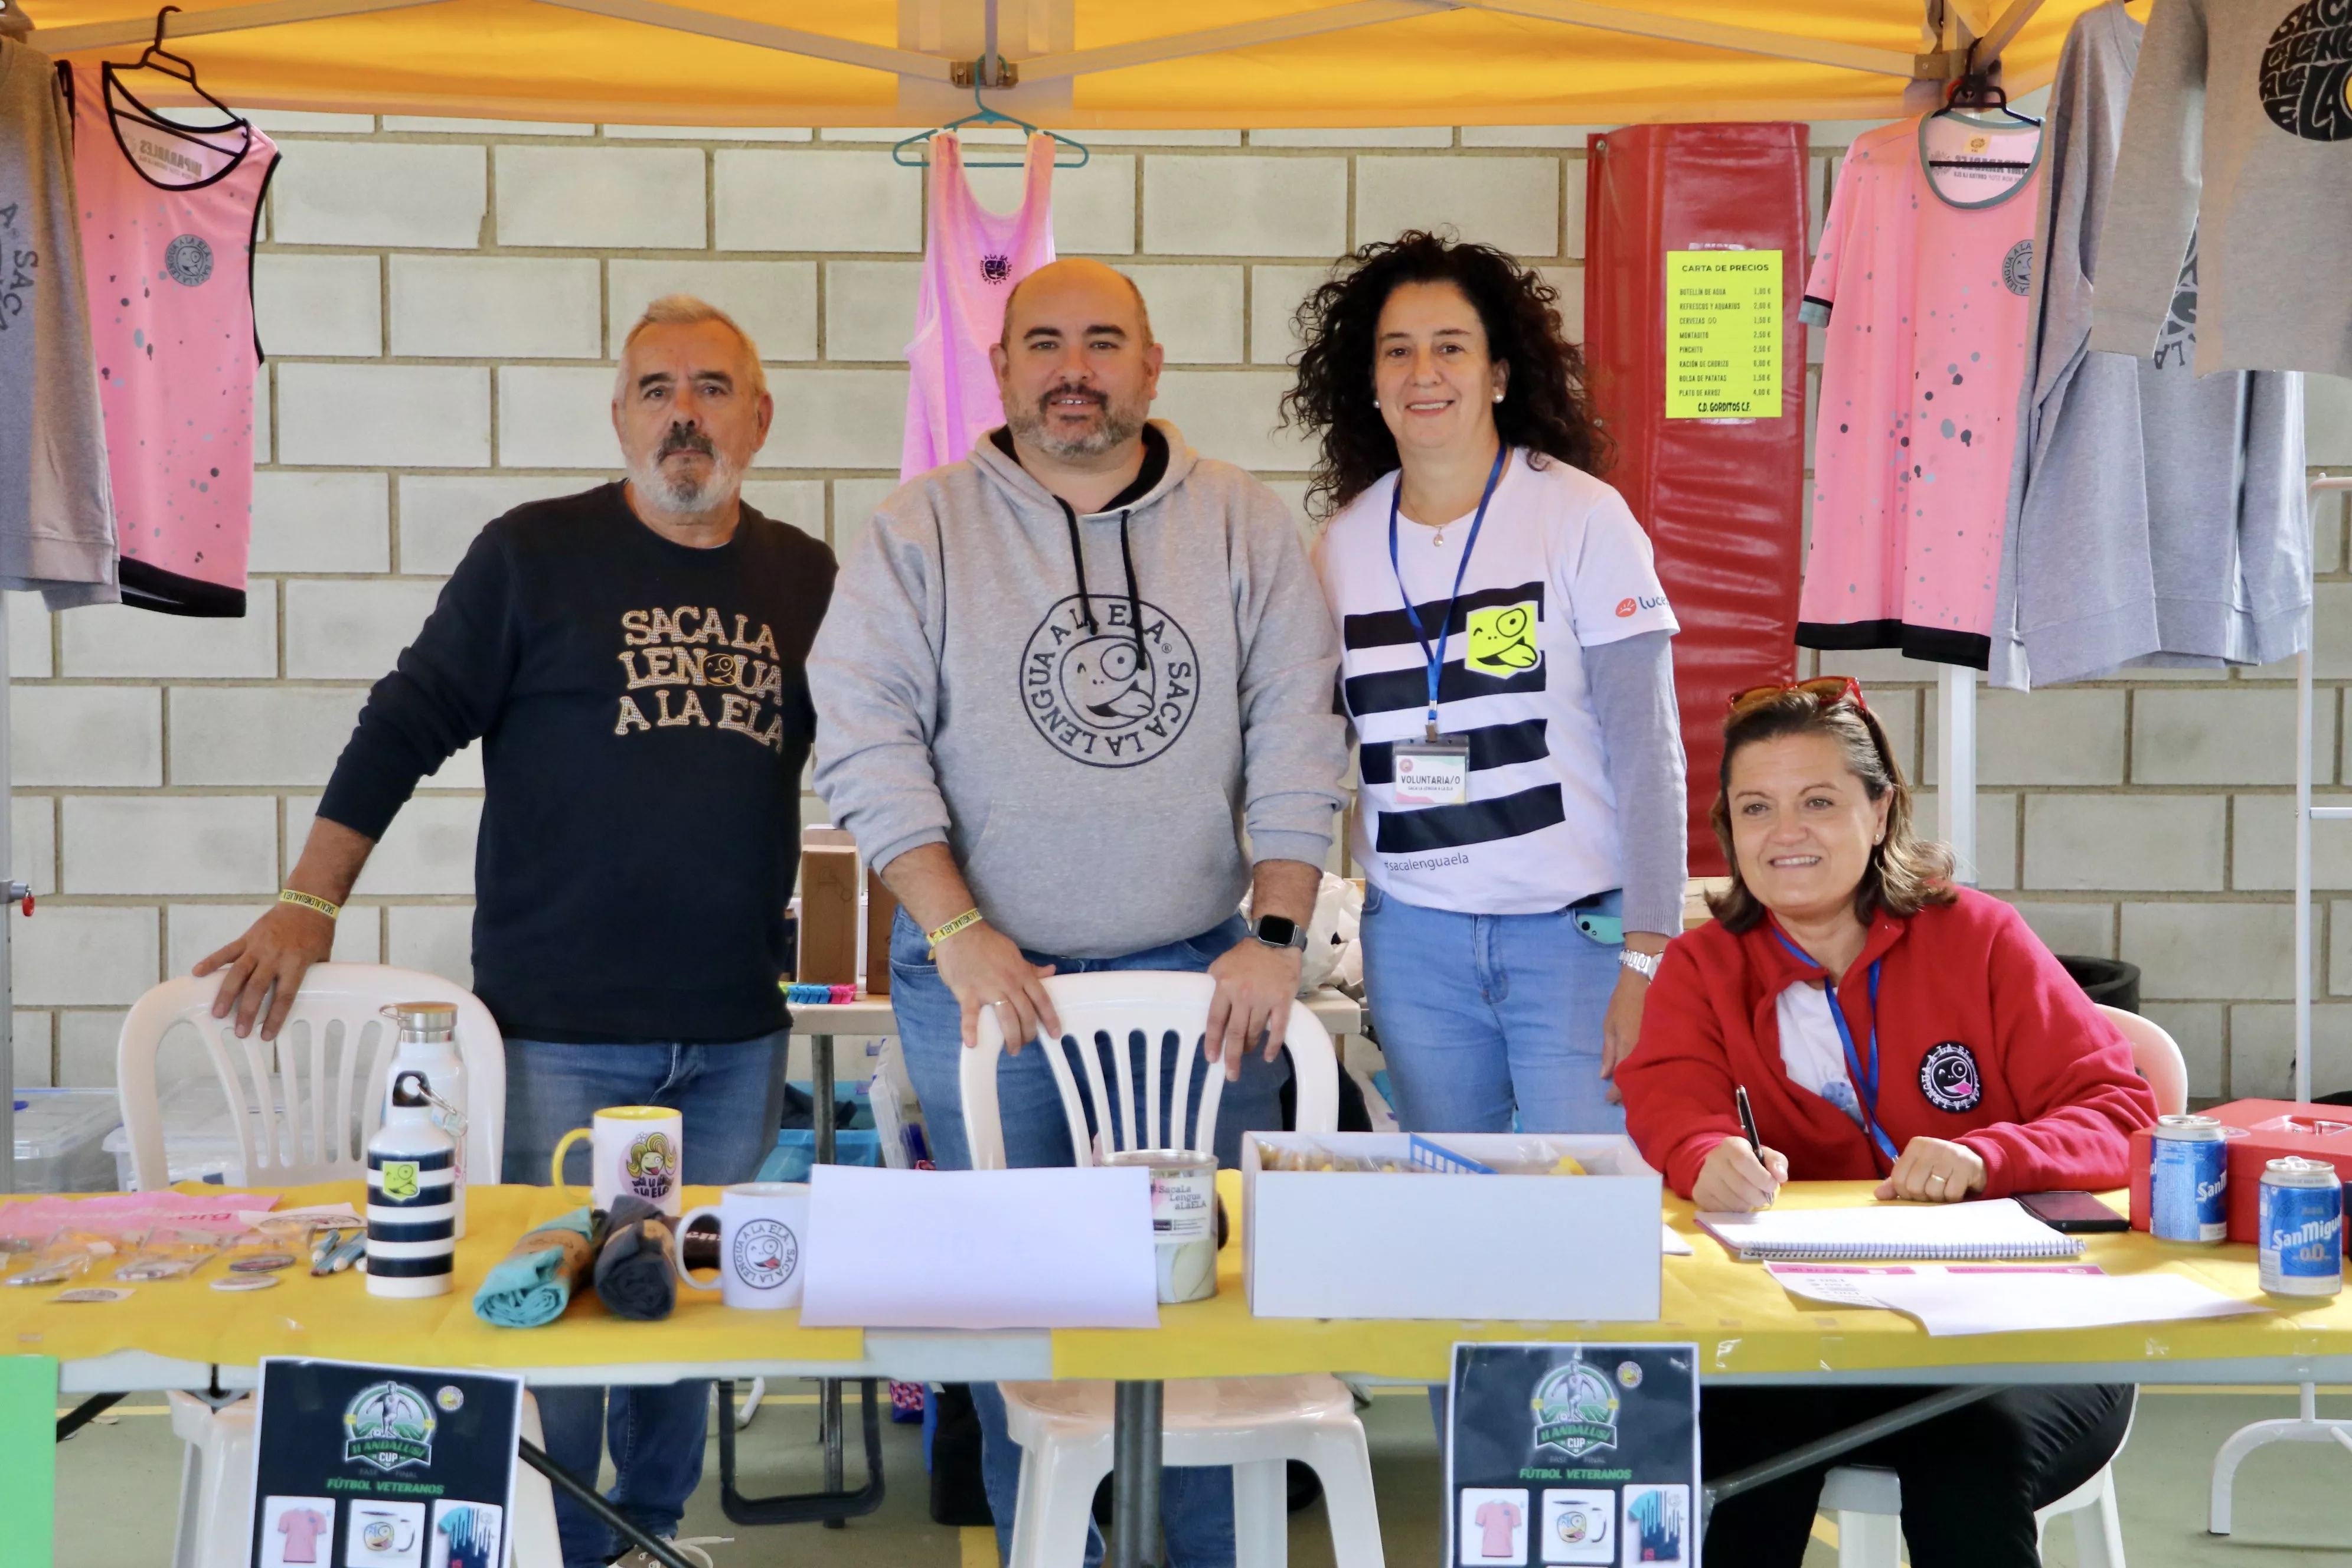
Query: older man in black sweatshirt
point(632, 659)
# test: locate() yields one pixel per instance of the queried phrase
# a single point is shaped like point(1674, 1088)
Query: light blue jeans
point(1196, 1504)
point(655, 1434)
point(1480, 1016)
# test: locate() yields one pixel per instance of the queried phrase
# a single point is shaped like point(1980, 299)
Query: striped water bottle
point(412, 1213)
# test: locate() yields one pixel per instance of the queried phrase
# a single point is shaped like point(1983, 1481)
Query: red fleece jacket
point(1983, 1039)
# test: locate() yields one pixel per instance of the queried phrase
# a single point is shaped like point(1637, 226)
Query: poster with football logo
point(357, 1466)
point(1573, 1454)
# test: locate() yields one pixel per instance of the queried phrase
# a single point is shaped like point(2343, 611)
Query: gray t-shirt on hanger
point(2241, 132)
point(57, 515)
point(2155, 518)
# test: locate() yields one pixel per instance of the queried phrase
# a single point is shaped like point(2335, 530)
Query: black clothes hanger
point(156, 57)
point(1977, 90)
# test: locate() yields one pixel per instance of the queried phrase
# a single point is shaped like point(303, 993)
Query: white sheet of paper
point(1061, 1248)
point(1988, 1300)
point(1672, 1245)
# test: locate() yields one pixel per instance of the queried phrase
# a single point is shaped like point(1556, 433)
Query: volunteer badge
point(1576, 1410)
point(388, 1424)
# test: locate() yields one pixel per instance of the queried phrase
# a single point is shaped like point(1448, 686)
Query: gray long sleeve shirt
point(57, 512)
point(2241, 134)
point(2153, 516)
point(1089, 736)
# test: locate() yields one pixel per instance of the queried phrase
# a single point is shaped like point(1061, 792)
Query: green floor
point(117, 1481)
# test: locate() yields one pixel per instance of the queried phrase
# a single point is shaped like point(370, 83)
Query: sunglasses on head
point(1825, 690)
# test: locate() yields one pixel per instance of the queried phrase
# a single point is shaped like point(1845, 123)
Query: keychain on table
point(1435, 770)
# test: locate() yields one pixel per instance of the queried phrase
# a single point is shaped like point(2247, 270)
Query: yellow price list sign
point(1723, 334)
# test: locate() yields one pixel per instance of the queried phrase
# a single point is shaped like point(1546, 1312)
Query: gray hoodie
point(1090, 735)
point(2241, 134)
point(2155, 518)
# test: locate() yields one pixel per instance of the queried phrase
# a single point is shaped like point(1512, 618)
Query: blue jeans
point(1196, 1504)
point(655, 1434)
point(1482, 1015)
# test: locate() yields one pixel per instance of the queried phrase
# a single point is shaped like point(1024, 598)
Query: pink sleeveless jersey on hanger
point(167, 224)
point(971, 259)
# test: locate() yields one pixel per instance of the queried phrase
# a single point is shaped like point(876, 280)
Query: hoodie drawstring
point(1079, 560)
point(1127, 560)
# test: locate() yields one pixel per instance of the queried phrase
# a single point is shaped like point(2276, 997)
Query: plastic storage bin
point(61, 1139)
point(199, 1141)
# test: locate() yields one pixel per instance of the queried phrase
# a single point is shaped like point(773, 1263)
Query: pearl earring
point(1498, 398)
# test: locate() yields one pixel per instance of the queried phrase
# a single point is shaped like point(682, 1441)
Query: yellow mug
point(634, 1149)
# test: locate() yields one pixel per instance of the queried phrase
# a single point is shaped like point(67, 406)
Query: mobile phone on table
point(2076, 1213)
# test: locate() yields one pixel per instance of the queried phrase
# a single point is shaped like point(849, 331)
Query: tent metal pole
point(1956, 765)
point(227, 19)
point(7, 976)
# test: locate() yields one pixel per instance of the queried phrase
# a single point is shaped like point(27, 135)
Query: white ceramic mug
point(632, 1149)
point(763, 1244)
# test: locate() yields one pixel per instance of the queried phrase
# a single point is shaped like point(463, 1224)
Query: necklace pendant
point(1437, 539)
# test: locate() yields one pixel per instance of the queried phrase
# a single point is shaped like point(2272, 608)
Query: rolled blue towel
point(533, 1284)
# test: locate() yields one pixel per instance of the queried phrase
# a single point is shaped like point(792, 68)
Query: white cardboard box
point(1337, 1244)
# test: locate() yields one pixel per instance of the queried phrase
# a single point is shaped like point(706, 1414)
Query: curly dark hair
point(1543, 408)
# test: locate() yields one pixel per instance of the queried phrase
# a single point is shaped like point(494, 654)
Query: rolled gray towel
point(636, 1271)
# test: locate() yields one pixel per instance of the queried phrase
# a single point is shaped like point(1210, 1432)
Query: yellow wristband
point(963, 922)
point(309, 901)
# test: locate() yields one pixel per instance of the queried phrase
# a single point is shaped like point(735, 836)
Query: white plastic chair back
point(304, 1105)
point(2158, 1057)
point(1102, 1015)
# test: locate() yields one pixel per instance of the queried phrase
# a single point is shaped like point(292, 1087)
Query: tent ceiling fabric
point(1283, 63)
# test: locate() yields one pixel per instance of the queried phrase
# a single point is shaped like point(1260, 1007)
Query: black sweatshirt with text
point(644, 716)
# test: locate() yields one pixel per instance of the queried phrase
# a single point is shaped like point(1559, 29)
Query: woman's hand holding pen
point(1739, 1178)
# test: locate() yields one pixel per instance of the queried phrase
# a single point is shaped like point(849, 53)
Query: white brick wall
point(441, 300)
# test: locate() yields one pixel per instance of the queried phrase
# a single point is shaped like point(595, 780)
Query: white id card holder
point(1431, 772)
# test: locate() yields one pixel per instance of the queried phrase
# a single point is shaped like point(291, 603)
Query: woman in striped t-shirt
point(1506, 670)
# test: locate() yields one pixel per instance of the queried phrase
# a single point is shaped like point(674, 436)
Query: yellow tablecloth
point(336, 1318)
point(1741, 1320)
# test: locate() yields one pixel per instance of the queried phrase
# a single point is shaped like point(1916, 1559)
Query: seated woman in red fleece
point(1888, 1027)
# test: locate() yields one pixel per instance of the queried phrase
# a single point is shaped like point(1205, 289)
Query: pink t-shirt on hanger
point(971, 259)
point(1921, 288)
point(167, 223)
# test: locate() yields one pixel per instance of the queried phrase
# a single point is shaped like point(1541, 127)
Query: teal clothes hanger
point(914, 152)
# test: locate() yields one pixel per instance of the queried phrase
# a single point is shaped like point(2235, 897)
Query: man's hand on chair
point(1255, 986)
point(984, 969)
point(267, 963)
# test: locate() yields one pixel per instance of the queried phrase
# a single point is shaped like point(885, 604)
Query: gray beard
point(658, 490)
point(1119, 426)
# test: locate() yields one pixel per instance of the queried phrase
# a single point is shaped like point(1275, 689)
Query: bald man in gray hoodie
point(1074, 697)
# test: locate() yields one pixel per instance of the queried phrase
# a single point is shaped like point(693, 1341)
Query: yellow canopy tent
point(1081, 64)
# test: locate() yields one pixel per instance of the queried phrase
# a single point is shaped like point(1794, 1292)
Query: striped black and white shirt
point(1560, 566)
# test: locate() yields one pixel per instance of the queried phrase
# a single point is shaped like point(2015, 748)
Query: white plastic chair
point(2158, 1057)
point(1868, 1502)
point(1255, 1425)
point(216, 1526)
point(324, 1074)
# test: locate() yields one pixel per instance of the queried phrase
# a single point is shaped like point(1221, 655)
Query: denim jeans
point(1196, 1504)
point(655, 1434)
point(1482, 1015)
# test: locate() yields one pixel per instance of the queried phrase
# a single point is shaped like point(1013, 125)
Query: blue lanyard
point(1436, 657)
point(1864, 1078)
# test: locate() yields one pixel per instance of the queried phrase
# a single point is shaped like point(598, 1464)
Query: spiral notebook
point(1997, 1229)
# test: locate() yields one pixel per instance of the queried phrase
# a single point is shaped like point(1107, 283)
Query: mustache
point(684, 438)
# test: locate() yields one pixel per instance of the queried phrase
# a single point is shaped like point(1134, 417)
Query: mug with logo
point(635, 1149)
point(762, 1238)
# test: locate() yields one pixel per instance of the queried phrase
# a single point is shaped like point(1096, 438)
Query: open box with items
point(1480, 1225)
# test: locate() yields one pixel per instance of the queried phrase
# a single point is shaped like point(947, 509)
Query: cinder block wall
point(440, 300)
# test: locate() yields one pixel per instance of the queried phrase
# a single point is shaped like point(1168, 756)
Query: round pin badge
point(262, 1263)
point(91, 1294)
point(246, 1282)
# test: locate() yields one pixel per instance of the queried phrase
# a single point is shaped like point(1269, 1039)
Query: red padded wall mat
point(1723, 501)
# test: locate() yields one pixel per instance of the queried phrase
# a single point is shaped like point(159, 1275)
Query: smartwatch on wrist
point(1279, 931)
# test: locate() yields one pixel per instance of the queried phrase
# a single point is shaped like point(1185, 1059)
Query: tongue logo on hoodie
point(1101, 695)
